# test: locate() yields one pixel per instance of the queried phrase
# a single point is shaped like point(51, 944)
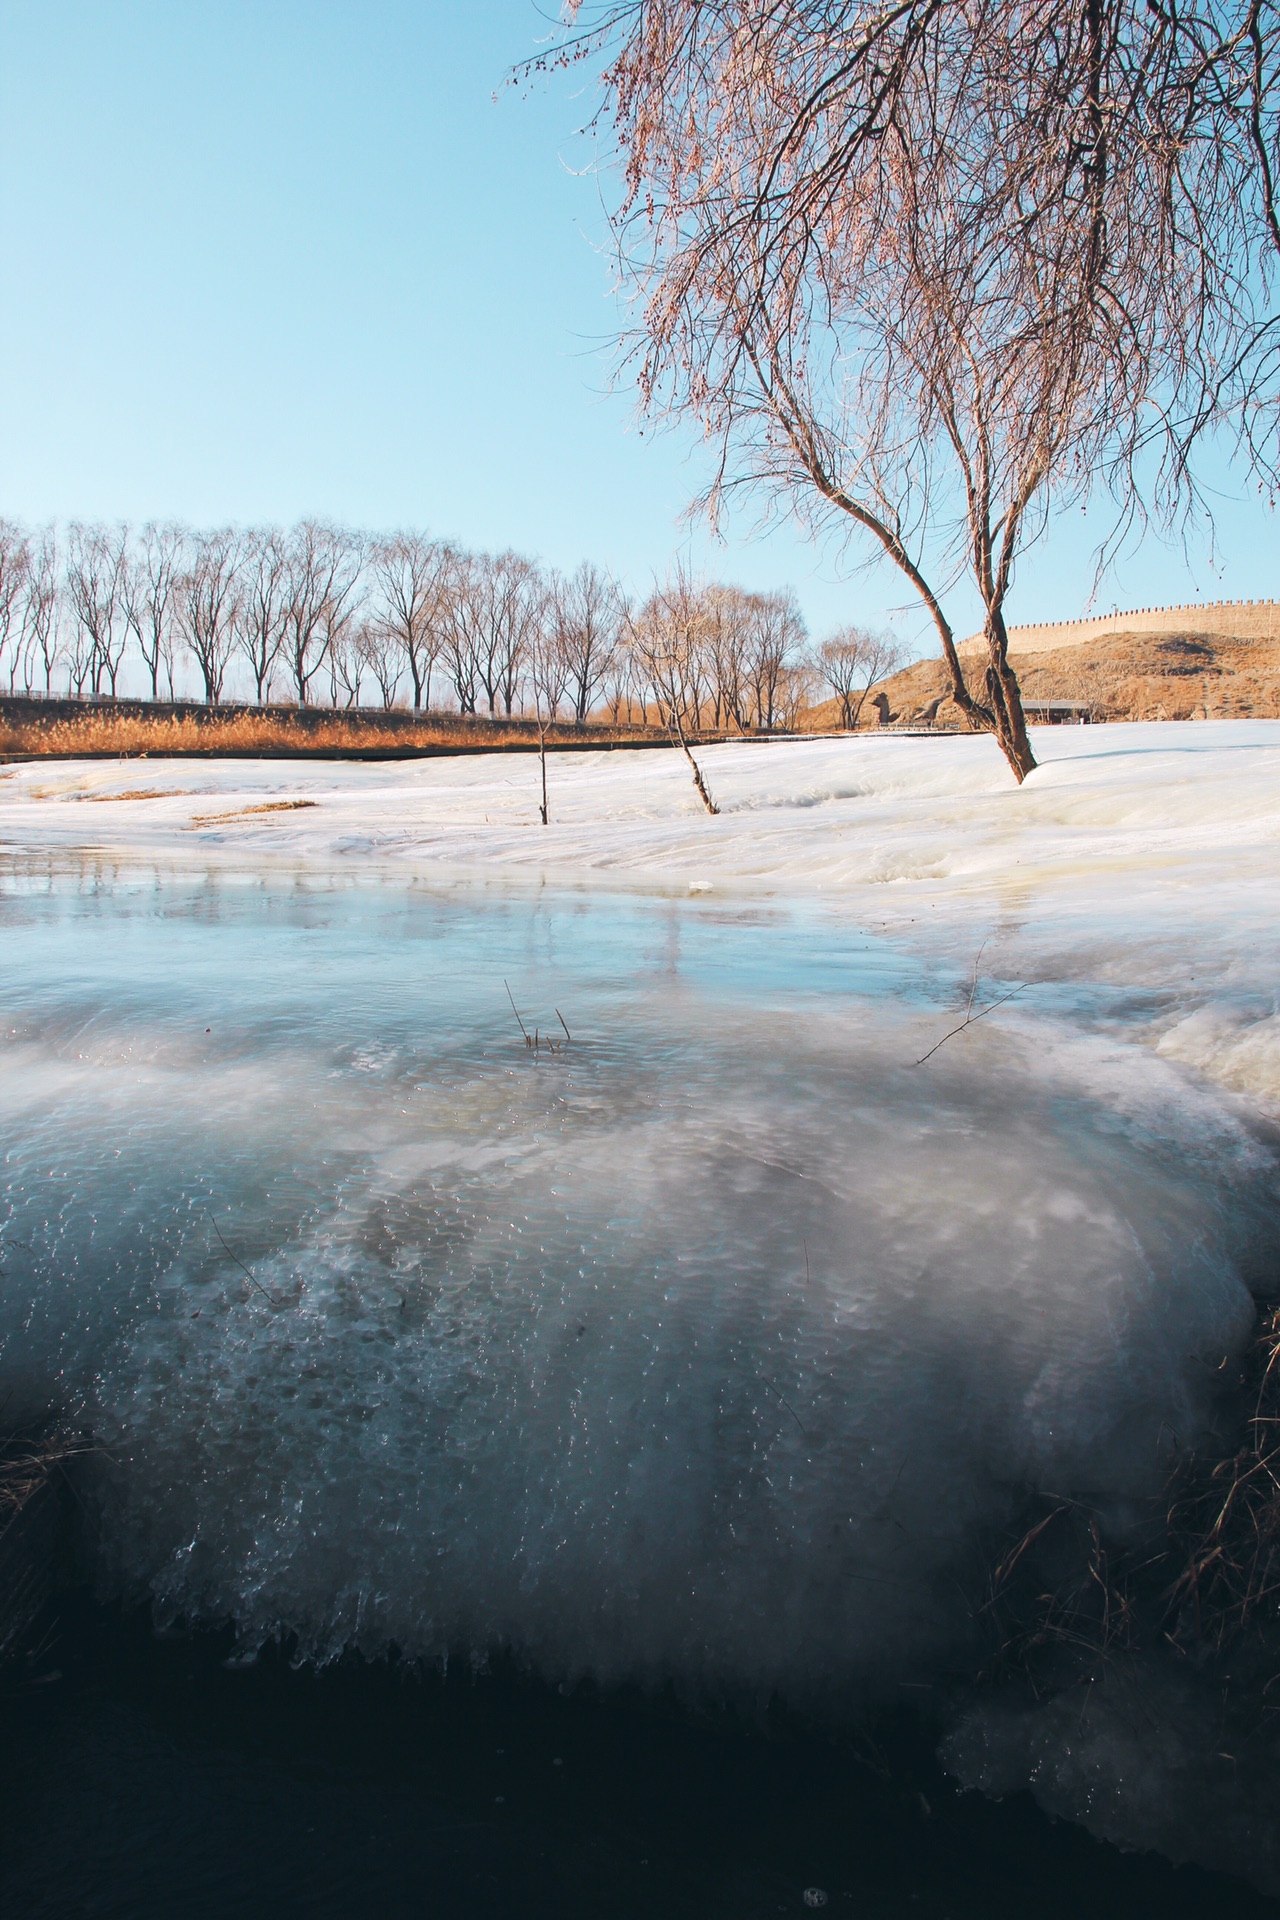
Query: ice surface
point(1115, 806)
point(1144, 855)
point(704, 1352)
point(1151, 1753)
point(717, 1350)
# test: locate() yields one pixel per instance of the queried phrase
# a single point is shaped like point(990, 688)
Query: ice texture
point(1149, 1752)
point(1112, 814)
point(706, 1351)
point(1144, 855)
point(719, 1350)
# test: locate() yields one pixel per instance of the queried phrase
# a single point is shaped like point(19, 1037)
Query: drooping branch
point(942, 269)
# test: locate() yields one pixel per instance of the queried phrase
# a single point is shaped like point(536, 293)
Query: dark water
point(151, 1780)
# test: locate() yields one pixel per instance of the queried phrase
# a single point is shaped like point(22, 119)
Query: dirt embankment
point(1118, 676)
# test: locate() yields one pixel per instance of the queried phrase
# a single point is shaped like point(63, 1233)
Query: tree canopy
point(939, 266)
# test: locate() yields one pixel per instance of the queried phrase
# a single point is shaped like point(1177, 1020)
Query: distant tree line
point(322, 615)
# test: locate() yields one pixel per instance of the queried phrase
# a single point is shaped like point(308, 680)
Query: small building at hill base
point(1059, 713)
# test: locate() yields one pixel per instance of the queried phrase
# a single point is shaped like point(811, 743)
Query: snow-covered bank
point(1147, 855)
point(1162, 802)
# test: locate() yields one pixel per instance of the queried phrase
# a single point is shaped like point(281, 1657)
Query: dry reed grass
point(538, 1042)
point(243, 813)
point(134, 732)
point(35, 1546)
point(1209, 1575)
point(137, 793)
point(1225, 1516)
point(27, 1464)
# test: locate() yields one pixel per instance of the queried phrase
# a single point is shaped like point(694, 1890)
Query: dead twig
point(253, 1282)
point(973, 984)
point(972, 1019)
point(786, 1403)
point(515, 1009)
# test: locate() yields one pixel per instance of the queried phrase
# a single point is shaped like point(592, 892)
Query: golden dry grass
point(137, 793)
point(131, 732)
point(242, 813)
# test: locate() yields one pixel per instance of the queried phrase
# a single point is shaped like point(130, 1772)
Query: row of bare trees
point(333, 617)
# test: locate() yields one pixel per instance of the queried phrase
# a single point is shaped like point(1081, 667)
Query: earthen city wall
point(1226, 619)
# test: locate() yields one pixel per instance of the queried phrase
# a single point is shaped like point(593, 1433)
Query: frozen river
point(701, 1349)
point(710, 1350)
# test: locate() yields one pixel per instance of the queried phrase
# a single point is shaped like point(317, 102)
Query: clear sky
point(266, 258)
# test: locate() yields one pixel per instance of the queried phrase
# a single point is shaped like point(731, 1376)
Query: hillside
point(1121, 676)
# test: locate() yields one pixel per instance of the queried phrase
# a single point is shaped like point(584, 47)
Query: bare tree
point(42, 628)
point(793, 692)
point(851, 661)
point(489, 615)
point(321, 572)
point(346, 668)
point(462, 609)
point(263, 606)
point(624, 686)
point(207, 596)
point(668, 637)
point(775, 636)
point(549, 662)
point(938, 269)
point(147, 597)
point(15, 574)
point(460, 638)
point(96, 560)
point(337, 629)
point(588, 611)
point(411, 579)
point(509, 597)
point(727, 612)
point(381, 653)
point(345, 664)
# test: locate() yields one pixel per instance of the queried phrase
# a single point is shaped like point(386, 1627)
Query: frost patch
point(1228, 1047)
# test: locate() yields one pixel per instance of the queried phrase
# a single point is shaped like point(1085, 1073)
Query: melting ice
point(710, 1349)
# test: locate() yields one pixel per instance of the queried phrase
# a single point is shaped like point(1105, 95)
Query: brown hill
point(1117, 676)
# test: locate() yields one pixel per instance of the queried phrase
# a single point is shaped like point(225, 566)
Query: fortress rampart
point(1224, 619)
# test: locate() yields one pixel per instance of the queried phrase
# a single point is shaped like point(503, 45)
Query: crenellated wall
point(1226, 619)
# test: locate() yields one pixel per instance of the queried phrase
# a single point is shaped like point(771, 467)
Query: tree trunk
point(1004, 697)
point(698, 780)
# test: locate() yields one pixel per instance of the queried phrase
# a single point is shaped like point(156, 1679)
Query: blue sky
point(263, 258)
